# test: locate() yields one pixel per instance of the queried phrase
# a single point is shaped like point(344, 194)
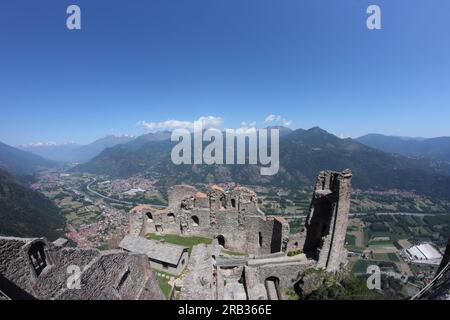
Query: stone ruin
point(235, 221)
point(37, 269)
point(322, 240)
point(231, 217)
point(327, 220)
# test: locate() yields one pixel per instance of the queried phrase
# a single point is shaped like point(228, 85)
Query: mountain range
point(303, 153)
point(432, 148)
point(72, 152)
point(19, 162)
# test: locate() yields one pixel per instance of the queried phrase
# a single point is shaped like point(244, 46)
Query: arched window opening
point(221, 240)
point(195, 221)
point(37, 256)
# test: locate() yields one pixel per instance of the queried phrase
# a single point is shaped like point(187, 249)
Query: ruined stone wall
point(137, 219)
point(337, 253)
point(104, 275)
point(116, 275)
point(259, 235)
point(177, 193)
point(284, 272)
point(14, 263)
point(233, 216)
point(199, 283)
point(55, 280)
point(296, 241)
point(326, 224)
point(234, 234)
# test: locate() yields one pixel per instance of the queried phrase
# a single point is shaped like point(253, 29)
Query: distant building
point(423, 253)
point(163, 256)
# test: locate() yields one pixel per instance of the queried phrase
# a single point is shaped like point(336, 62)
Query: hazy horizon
point(94, 139)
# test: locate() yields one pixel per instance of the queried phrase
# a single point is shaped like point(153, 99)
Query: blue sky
point(313, 63)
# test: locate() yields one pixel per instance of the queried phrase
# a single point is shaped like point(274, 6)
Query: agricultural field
point(377, 239)
point(284, 202)
point(76, 208)
point(396, 229)
point(359, 267)
point(371, 202)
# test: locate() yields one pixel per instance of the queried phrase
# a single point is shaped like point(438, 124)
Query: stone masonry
point(327, 220)
point(37, 269)
point(265, 272)
point(231, 217)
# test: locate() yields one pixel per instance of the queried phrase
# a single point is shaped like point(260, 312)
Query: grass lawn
point(350, 239)
point(360, 266)
point(180, 240)
point(385, 257)
point(381, 244)
point(393, 257)
point(163, 283)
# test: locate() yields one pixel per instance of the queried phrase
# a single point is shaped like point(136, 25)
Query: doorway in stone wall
point(221, 240)
point(195, 221)
point(273, 288)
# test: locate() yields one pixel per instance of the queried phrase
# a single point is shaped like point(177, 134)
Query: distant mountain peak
point(303, 153)
point(47, 144)
point(379, 135)
point(431, 148)
point(317, 130)
point(282, 129)
point(20, 162)
point(279, 127)
point(114, 137)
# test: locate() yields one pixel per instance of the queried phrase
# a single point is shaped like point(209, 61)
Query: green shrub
point(294, 252)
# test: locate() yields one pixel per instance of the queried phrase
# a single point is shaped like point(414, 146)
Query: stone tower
point(327, 220)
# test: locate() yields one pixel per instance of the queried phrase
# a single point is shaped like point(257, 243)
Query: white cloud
point(172, 124)
point(245, 130)
point(277, 120)
point(248, 124)
point(271, 118)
